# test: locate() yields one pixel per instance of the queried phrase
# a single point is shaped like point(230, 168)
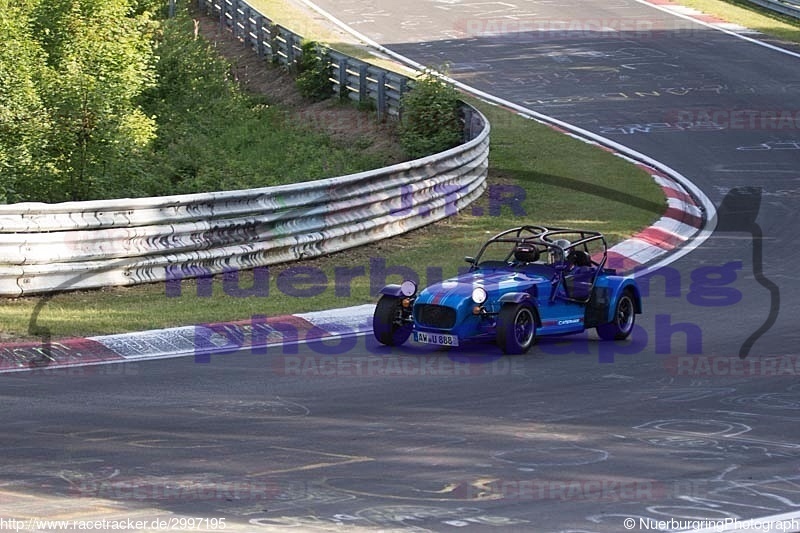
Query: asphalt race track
point(544, 442)
point(574, 437)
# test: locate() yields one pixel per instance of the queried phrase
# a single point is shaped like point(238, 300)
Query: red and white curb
point(682, 220)
point(710, 20)
point(201, 341)
point(27, 356)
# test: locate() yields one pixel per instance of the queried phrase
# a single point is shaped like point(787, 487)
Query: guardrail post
point(253, 26)
point(241, 21)
point(235, 18)
point(259, 35)
point(289, 49)
point(363, 87)
point(403, 90)
point(381, 95)
point(342, 77)
point(273, 43)
point(466, 114)
point(244, 21)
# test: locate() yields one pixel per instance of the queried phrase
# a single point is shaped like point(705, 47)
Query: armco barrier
point(790, 8)
point(51, 247)
point(76, 245)
point(351, 78)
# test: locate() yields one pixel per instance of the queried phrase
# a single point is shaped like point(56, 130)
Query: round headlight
point(408, 288)
point(479, 295)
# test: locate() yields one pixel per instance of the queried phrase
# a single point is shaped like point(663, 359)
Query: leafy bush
point(430, 118)
point(73, 79)
point(314, 71)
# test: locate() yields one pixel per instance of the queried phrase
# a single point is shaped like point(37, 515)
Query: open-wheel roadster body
point(525, 282)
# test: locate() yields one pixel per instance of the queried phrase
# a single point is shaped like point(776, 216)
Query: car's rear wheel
point(388, 322)
point(516, 328)
point(623, 321)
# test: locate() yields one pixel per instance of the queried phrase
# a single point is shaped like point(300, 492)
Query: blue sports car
point(525, 282)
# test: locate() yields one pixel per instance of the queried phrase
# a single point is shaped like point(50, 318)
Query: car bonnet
point(495, 282)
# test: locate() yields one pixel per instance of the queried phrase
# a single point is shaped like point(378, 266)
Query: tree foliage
point(108, 99)
point(70, 112)
point(314, 72)
point(24, 125)
point(430, 116)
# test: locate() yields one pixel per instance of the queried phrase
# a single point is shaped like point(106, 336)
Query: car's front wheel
point(516, 328)
point(622, 323)
point(388, 322)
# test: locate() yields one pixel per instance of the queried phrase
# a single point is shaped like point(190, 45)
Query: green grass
point(565, 182)
point(750, 16)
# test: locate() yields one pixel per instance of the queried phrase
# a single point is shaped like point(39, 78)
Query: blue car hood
point(496, 282)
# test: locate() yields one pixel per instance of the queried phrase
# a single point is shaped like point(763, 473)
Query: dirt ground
point(344, 122)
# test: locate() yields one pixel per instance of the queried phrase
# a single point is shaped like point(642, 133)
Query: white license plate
point(441, 339)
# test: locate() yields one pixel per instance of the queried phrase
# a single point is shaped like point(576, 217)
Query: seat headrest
point(526, 253)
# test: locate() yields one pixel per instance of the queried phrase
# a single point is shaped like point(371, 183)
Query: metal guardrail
point(77, 245)
point(351, 78)
point(790, 8)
